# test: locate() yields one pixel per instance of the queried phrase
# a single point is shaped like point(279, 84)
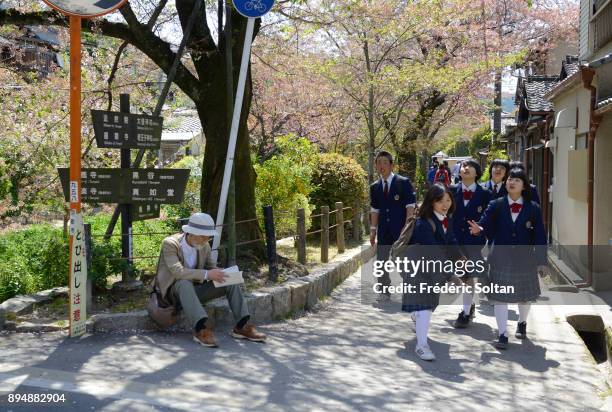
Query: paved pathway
point(346, 356)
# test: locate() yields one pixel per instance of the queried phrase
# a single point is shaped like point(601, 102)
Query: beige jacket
point(170, 264)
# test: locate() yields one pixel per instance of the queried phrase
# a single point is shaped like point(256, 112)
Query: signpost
point(117, 130)
point(76, 10)
point(251, 9)
point(129, 186)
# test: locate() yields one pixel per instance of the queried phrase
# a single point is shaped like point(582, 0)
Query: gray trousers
point(191, 296)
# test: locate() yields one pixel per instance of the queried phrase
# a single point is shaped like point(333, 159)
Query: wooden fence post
point(270, 243)
point(324, 234)
point(339, 227)
point(301, 236)
point(357, 223)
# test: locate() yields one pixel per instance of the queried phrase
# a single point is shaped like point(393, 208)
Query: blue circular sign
point(253, 8)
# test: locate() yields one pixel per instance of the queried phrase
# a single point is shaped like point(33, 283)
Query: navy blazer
point(391, 208)
point(502, 190)
point(424, 234)
point(473, 211)
point(502, 231)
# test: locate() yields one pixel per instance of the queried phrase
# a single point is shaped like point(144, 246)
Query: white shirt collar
point(184, 243)
point(389, 179)
point(519, 201)
point(496, 185)
point(471, 188)
point(439, 216)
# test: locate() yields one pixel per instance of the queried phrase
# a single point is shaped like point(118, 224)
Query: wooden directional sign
point(97, 185)
point(127, 131)
point(158, 185)
point(144, 211)
point(129, 185)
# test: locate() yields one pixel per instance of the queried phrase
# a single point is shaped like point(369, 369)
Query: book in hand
point(233, 276)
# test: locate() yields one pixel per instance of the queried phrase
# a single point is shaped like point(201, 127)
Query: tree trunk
point(213, 117)
point(406, 162)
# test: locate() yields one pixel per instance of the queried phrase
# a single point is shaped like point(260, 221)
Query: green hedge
point(37, 258)
point(338, 178)
point(33, 259)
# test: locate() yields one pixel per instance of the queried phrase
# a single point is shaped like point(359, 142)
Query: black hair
point(500, 162)
point(475, 165)
point(515, 164)
point(386, 154)
point(517, 173)
point(435, 194)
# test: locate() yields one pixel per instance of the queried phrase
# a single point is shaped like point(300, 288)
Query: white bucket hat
point(201, 224)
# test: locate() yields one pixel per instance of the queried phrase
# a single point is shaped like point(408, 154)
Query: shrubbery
point(284, 182)
point(338, 178)
point(37, 258)
point(33, 259)
point(300, 177)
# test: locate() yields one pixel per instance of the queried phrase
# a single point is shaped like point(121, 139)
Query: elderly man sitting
point(184, 277)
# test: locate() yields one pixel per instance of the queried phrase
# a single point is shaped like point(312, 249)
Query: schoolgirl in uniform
point(514, 225)
point(515, 164)
point(471, 200)
point(433, 231)
point(498, 171)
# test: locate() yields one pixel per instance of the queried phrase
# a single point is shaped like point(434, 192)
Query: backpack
point(403, 242)
point(441, 176)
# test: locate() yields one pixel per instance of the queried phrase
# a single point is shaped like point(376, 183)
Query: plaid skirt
point(418, 300)
point(473, 253)
point(523, 278)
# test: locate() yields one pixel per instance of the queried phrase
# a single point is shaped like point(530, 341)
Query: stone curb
point(265, 304)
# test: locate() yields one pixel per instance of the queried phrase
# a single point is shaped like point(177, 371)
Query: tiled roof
point(569, 66)
point(184, 125)
point(535, 88)
point(604, 103)
point(181, 128)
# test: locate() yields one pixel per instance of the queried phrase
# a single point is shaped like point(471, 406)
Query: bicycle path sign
point(253, 8)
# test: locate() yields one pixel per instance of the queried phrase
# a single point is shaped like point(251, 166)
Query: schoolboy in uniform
point(392, 201)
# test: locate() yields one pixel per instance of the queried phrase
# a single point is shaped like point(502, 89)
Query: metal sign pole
point(76, 10)
point(78, 264)
point(126, 209)
point(229, 161)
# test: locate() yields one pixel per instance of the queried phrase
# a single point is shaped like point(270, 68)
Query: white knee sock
point(468, 299)
point(501, 316)
point(523, 311)
point(423, 317)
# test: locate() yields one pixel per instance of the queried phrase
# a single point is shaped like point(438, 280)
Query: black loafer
point(521, 331)
point(502, 343)
point(463, 321)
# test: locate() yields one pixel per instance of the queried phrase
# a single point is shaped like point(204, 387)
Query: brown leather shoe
point(248, 332)
point(205, 337)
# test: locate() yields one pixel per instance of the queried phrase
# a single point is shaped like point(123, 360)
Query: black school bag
point(402, 243)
